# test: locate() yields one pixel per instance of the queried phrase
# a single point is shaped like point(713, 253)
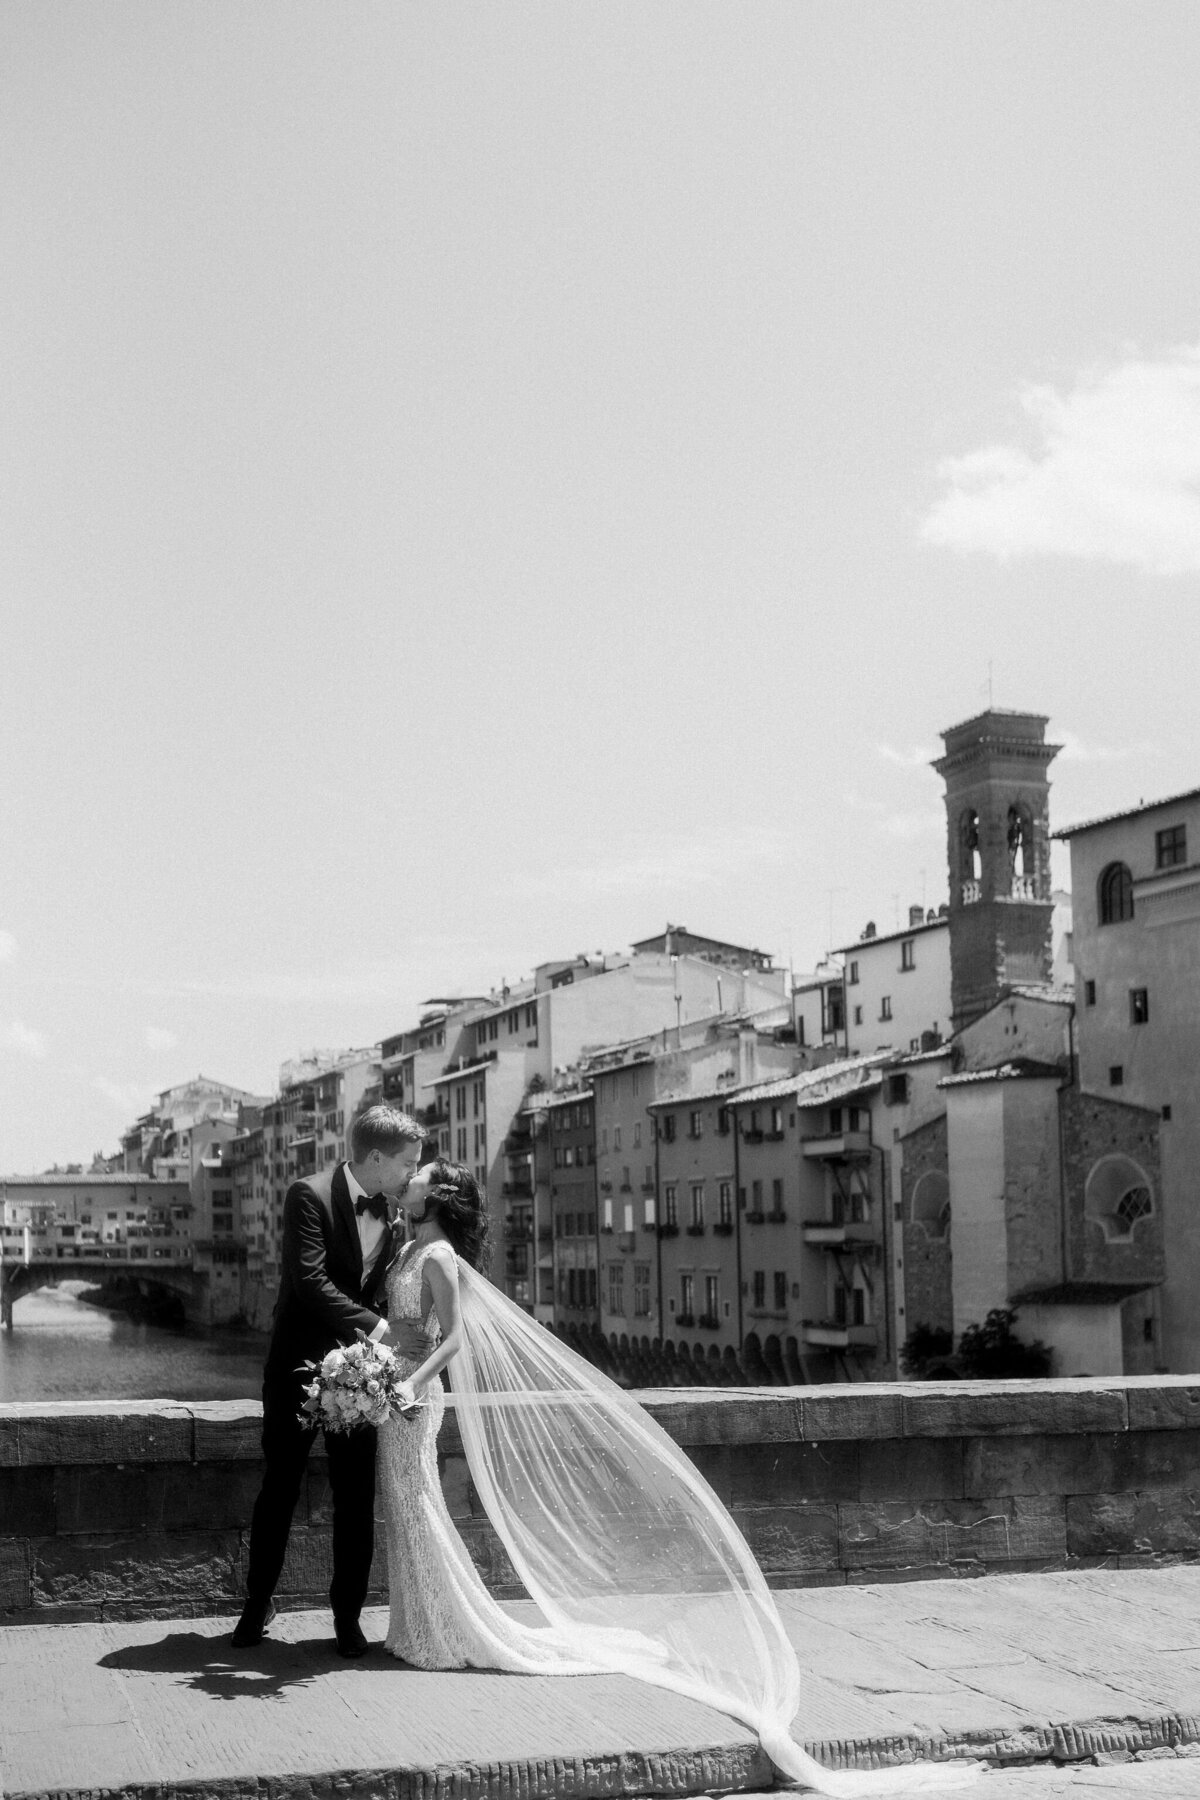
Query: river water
point(60, 1348)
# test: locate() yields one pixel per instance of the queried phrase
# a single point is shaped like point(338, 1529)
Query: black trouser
point(286, 1446)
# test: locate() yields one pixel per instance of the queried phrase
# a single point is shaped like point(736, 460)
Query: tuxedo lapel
point(345, 1220)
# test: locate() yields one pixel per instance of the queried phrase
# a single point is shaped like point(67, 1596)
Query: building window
point(1139, 1006)
point(698, 1203)
point(616, 1288)
point(760, 1287)
point(895, 1090)
point(687, 1298)
point(1116, 1075)
point(725, 1202)
point(1116, 894)
point(858, 1015)
point(780, 1290)
point(1170, 847)
point(695, 1124)
point(722, 1121)
point(885, 1007)
point(641, 1290)
point(908, 954)
point(666, 1128)
point(777, 1195)
point(852, 978)
point(671, 1203)
point(616, 1137)
point(712, 1296)
point(1089, 993)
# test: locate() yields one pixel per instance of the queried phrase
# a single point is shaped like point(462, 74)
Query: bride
point(632, 1561)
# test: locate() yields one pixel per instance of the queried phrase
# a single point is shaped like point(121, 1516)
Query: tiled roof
point(86, 1180)
point(890, 937)
point(1020, 1068)
point(1032, 991)
point(808, 1087)
point(1143, 806)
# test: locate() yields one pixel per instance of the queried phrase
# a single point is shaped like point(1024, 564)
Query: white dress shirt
point(372, 1235)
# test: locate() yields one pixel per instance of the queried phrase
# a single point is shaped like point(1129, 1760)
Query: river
point(60, 1348)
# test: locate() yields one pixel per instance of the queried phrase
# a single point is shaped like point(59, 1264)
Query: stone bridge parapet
point(142, 1508)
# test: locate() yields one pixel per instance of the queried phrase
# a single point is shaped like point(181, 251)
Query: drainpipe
point(737, 1221)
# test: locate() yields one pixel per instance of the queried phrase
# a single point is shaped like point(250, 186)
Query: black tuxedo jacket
point(321, 1301)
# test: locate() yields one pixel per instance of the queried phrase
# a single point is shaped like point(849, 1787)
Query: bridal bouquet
point(356, 1384)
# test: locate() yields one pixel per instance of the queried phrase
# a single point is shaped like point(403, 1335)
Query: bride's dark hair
point(459, 1205)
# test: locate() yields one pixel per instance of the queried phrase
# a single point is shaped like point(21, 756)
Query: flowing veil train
point(621, 1542)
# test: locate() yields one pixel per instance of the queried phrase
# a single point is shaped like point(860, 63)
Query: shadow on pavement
point(211, 1666)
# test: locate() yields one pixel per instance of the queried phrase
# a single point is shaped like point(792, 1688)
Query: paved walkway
point(1016, 1668)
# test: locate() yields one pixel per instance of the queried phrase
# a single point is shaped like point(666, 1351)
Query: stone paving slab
point(1043, 1669)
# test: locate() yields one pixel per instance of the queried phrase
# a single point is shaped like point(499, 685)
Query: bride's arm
point(441, 1271)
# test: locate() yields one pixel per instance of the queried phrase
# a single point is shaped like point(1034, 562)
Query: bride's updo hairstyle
point(459, 1205)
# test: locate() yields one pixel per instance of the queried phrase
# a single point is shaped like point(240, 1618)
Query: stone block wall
point(143, 1509)
point(928, 1290)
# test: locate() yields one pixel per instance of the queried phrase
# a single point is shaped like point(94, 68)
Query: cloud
point(1075, 749)
point(8, 946)
point(158, 1039)
point(920, 822)
point(23, 1040)
point(664, 863)
point(1113, 476)
point(918, 757)
point(129, 1097)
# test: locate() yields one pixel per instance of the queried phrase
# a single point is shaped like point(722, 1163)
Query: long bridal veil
point(621, 1542)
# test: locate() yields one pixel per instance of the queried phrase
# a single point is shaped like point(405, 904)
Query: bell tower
point(998, 843)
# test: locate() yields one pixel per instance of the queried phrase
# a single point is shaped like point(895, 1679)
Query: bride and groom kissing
point(633, 1563)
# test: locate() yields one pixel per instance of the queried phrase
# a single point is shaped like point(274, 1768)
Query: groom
point(336, 1244)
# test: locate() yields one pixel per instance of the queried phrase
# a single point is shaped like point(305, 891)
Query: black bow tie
point(375, 1204)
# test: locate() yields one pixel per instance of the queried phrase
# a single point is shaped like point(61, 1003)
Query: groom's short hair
point(384, 1128)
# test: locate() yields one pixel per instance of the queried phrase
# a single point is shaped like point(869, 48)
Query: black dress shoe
point(251, 1628)
point(350, 1639)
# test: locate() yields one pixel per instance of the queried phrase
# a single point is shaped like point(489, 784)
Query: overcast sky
point(479, 482)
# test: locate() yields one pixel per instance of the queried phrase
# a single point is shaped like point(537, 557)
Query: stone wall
point(928, 1290)
point(143, 1509)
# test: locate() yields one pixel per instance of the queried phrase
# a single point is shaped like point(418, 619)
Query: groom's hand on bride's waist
point(408, 1340)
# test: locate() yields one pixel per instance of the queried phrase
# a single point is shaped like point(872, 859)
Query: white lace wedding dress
point(442, 1615)
point(630, 1557)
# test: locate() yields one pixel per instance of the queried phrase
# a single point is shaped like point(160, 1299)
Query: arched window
point(1116, 894)
point(931, 1204)
point(968, 834)
point(1117, 1194)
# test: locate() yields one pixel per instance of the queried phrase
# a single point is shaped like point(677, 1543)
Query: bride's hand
point(406, 1399)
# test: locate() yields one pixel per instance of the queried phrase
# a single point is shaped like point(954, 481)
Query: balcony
point(723, 1228)
point(752, 1137)
point(755, 1217)
point(778, 1217)
point(518, 1231)
point(824, 1234)
point(773, 1137)
point(695, 1231)
point(517, 1190)
point(627, 1241)
point(708, 1322)
point(687, 1320)
point(666, 1231)
point(835, 1145)
point(829, 1336)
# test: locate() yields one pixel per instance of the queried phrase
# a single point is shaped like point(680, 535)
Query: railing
point(828, 1335)
point(837, 1144)
point(839, 1234)
point(1024, 887)
point(971, 892)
